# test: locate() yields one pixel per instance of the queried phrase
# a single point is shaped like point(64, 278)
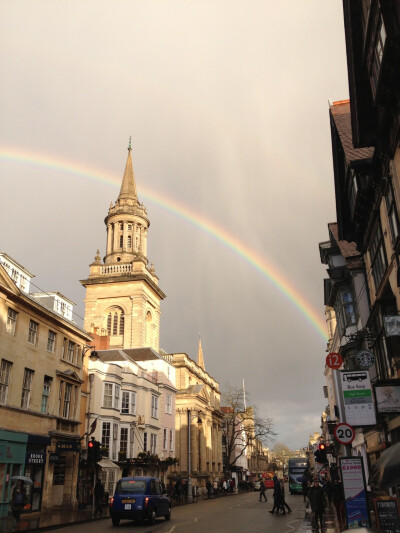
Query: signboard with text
point(387, 514)
point(352, 471)
point(357, 398)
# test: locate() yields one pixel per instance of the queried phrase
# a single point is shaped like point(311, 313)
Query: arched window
point(129, 241)
point(121, 241)
point(149, 329)
point(115, 321)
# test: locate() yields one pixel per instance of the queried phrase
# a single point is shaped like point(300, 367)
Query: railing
point(125, 268)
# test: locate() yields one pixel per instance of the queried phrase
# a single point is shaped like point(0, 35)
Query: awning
point(107, 463)
point(124, 354)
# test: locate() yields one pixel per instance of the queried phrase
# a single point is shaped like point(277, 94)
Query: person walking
point(317, 501)
point(277, 496)
point(98, 497)
point(283, 501)
point(338, 501)
point(262, 491)
point(18, 502)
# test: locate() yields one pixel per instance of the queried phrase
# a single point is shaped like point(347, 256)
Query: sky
point(227, 103)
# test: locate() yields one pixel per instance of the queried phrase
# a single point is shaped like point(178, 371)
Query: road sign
point(344, 433)
point(334, 360)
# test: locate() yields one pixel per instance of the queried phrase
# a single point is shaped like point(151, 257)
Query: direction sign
point(344, 433)
point(334, 360)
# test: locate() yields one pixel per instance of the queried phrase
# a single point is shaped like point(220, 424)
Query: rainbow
point(253, 258)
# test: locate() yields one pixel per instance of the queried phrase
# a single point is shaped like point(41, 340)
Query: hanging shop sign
point(334, 360)
point(392, 325)
point(365, 359)
point(35, 458)
point(388, 397)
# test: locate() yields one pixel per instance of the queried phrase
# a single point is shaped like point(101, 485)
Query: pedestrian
point(98, 497)
point(317, 500)
point(215, 487)
point(328, 489)
point(283, 501)
point(262, 491)
point(18, 501)
point(225, 486)
point(338, 501)
point(304, 484)
point(277, 496)
point(208, 487)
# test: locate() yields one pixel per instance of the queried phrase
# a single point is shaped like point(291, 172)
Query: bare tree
point(243, 429)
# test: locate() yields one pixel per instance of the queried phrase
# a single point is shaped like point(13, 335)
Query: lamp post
point(94, 356)
point(190, 417)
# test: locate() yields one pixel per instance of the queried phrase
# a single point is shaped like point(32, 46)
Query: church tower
point(122, 293)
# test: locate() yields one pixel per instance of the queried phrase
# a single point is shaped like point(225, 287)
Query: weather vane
point(130, 146)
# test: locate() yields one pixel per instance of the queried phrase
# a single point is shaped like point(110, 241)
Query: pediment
point(7, 282)
point(69, 375)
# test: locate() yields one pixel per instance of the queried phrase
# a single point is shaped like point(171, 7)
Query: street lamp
point(191, 417)
point(94, 356)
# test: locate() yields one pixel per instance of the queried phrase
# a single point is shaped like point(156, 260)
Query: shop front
point(12, 463)
point(35, 464)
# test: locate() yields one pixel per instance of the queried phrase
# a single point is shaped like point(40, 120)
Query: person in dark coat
point(98, 497)
point(317, 501)
point(338, 500)
point(277, 497)
point(262, 491)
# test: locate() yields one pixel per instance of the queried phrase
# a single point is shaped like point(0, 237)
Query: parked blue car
point(139, 498)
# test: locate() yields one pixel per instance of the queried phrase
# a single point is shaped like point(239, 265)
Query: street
point(242, 513)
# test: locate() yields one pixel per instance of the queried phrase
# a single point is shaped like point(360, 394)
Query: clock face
point(365, 359)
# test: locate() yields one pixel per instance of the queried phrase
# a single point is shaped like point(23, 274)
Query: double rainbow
point(250, 256)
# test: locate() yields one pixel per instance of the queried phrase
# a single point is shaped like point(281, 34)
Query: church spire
point(200, 358)
point(128, 187)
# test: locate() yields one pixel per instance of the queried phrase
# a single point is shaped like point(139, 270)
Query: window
point(67, 399)
point(44, 408)
point(115, 321)
point(348, 309)
point(11, 321)
point(125, 402)
point(5, 370)
point(123, 441)
point(51, 341)
point(165, 439)
point(26, 388)
point(128, 403)
point(33, 332)
point(145, 441)
point(392, 214)
point(377, 255)
point(379, 45)
point(71, 352)
point(105, 435)
point(154, 407)
point(121, 241)
point(168, 404)
point(353, 186)
point(153, 443)
point(171, 439)
point(108, 395)
point(111, 395)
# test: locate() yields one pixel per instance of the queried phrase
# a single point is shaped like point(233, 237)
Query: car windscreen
point(131, 485)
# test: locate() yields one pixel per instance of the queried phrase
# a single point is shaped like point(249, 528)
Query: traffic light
point(320, 454)
point(94, 453)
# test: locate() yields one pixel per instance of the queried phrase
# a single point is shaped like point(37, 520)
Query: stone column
point(110, 229)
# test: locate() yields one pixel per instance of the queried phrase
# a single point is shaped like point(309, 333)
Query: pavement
point(330, 520)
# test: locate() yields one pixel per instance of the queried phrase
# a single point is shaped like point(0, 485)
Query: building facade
point(41, 357)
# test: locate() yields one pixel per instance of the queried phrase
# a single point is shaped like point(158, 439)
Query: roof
point(128, 354)
point(347, 249)
point(128, 187)
point(342, 117)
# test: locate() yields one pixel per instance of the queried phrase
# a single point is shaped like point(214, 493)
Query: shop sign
point(387, 512)
point(54, 458)
point(388, 398)
point(35, 458)
point(67, 446)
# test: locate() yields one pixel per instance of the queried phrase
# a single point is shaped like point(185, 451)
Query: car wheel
point(115, 521)
point(168, 515)
point(152, 517)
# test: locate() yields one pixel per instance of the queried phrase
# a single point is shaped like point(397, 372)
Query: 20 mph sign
point(344, 433)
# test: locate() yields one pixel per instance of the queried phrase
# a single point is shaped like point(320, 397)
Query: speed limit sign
point(344, 433)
